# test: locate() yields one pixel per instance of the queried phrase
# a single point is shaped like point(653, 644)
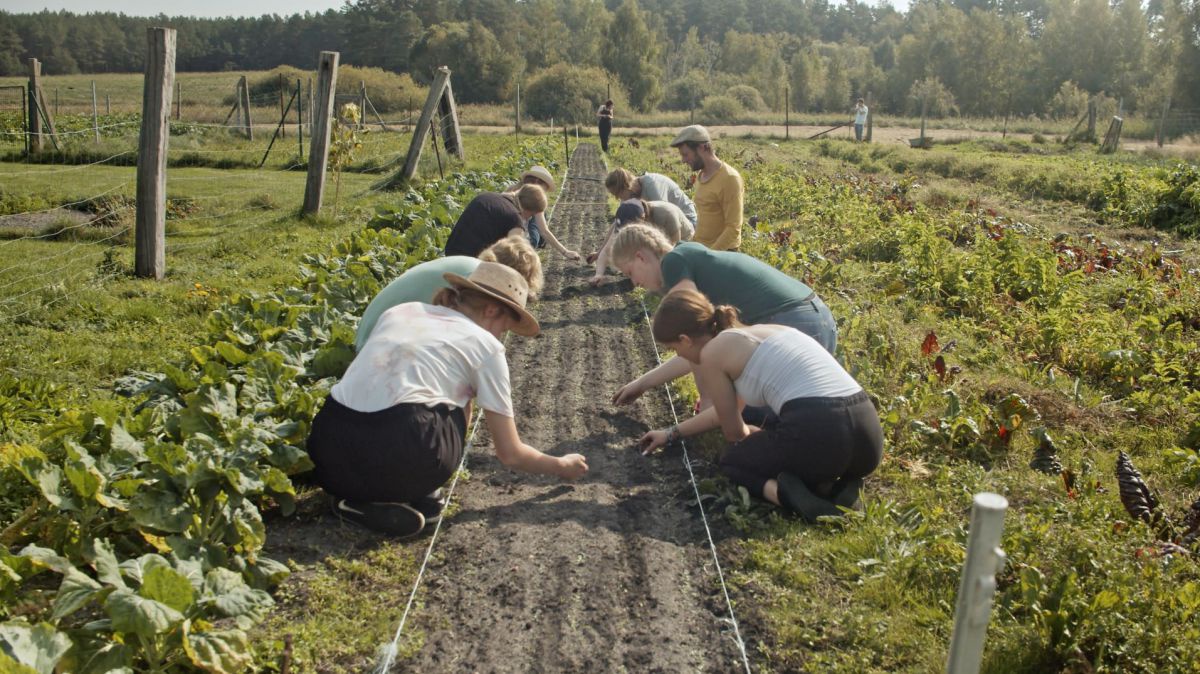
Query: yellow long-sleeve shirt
point(719, 209)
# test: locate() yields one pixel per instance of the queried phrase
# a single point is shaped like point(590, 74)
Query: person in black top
point(491, 216)
point(604, 117)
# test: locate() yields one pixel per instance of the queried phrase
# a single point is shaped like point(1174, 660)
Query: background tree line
point(976, 57)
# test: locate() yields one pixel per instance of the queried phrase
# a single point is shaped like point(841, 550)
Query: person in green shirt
point(421, 282)
point(761, 293)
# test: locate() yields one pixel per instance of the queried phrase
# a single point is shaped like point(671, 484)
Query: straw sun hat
point(541, 174)
point(503, 284)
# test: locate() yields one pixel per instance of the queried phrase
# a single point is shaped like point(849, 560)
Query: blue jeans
point(535, 234)
point(858, 131)
point(812, 318)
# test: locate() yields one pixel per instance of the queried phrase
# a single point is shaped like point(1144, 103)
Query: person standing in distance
point(604, 117)
point(719, 191)
point(860, 118)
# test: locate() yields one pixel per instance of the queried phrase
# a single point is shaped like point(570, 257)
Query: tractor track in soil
point(607, 574)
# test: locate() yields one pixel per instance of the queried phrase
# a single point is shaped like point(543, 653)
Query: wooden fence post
point(318, 153)
point(244, 98)
point(56, 102)
point(437, 91)
point(870, 117)
point(35, 117)
point(149, 255)
point(282, 112)
point(1162, 122)
point(787, 105)
point(300, 117)
point(452, 134)
point(95, 114)
point(362, 103)
point(107, 105)
point(517, 127)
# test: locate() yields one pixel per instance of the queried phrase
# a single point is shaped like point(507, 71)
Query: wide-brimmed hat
point(503, 284)
point(541, 174)
point(692, 134)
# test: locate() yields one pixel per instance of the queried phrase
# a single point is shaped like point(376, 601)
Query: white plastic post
point(984, 560)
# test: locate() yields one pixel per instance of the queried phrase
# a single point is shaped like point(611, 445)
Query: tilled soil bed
point(530, 574)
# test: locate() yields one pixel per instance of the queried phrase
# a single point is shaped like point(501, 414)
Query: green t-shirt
point(755, 288)
point(418, 284)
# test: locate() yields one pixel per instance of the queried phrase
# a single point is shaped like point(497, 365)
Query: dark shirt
point(755, 288)
point(487, 219)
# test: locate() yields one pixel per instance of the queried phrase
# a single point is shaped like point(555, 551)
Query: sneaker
point(394, 519)
point(431, 507)
point(798, 498)
point(846, 493)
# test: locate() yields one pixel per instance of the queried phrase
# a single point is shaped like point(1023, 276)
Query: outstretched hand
point(596, 280)
point(572, 467)
point(628, 393)
point(572, 255)
point(652, 441)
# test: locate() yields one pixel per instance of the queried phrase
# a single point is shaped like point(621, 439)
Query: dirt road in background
point(607, 574)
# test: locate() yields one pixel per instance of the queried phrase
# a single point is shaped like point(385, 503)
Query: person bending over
point(662, 215)
point(421, 282)
point(392, 431)
point(539, 231)
point(649, 187)
point(760, 292)
point(825, 436)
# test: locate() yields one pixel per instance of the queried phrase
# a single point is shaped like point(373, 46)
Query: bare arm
point(519, 456)
point(602, 257)
point(668, 371)
point(544, 228)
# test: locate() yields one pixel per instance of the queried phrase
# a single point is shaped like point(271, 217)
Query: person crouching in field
point(825, 435)
point(491, 216)
point(539, 230)
point(760, 292)
point(421, 282)
point(623, 185)
point(662, 215)
point(392, 431)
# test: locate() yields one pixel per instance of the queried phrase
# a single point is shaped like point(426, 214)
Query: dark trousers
point(605, 132)
point(820, 440)
point(394, 455)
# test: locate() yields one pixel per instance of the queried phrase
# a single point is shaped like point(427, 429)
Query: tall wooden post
point(870, 117)
point(311, 115)
point(35, 114)
point(1162, 122)
point(107, 105)
point(244, 98)
point(56, 102)
point(95, 114)
point(1091, 119)
point(149, 255)
point(451, 131)
point(787, 104)
point(517, 116)
point(362, 103)
point(282, 111)
point(318, 154)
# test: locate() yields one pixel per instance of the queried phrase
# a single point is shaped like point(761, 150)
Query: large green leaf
point(220, 652)
point(122, 441)
point(47, 558)
point(134, 614)
point(38, 647)
point(159, 509)
point(169, 587)
point(99, 656)
point(76, 589)
point(104, 560)
point(231, 353)
point(49, 479)
point(228, 594)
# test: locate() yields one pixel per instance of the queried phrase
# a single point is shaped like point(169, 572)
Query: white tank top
point(787, 365)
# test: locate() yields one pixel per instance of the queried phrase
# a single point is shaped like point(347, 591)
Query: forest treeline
point(972, 57)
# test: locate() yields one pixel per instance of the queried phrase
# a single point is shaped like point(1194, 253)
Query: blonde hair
point(619, 180)
point(516, 252)
point(634, 237)
point(689, 312)
point(532, 198)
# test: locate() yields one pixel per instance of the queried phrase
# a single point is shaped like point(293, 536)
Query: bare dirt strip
point(608, 574)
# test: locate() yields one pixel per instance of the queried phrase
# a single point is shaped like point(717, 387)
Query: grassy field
point(1059, 287)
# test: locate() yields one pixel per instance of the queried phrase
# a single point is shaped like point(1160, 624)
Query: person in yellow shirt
point(719, 191)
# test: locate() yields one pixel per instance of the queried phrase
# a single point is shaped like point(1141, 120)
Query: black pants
point(605, 132)
point(820, 440)
point(395, 455)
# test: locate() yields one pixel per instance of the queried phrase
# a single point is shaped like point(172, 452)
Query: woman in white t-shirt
point(827, 437)
point(391, 432)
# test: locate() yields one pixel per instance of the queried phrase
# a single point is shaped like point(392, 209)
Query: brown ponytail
point(688, 312)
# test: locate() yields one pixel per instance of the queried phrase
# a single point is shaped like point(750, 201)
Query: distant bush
point(389, 92)
point(571, 94)
point(748, 96)
point(721, 110)
point(687, 92)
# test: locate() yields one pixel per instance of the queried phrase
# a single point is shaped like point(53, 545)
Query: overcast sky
point(196, 7)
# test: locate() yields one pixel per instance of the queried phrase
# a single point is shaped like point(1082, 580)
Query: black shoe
point(431, 507)
point(847, 493)
point(394, 519)
point(798, 498)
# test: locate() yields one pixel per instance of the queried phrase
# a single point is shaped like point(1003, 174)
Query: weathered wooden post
point(439, 102)
point(517, 116)
point(318, 153)
point(149, 255)
point(56, 102)
point(984, 560)
point(787, 104)
point(870, 117)
point(1091, 119)
point(1162, 122)
point(282, 111)
point(452, 134)
point(107, 105)
point(244, 101)
point(95, 114)
point(35, 115)
point(362, 103)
